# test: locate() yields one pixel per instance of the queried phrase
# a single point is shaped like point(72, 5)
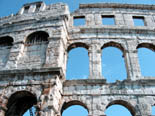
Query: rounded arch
point(146, 57)
point(71, 103)
point(77, 44)
point(19, 102)
point(6, 41)
point(114, 44)
point(123, 103)
point(38, 36)
point(111, 68)
point(146, 45)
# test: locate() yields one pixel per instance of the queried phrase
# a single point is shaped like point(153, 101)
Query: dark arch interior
point(71, 103)
point(78, 44)
point(37, 37)
point(146, 45)
point(19, 103)
point(114, 44)
point(6, 41)
point(123, 103)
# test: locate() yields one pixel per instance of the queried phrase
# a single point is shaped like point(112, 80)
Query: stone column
point(119, 19)
point(148, 20)
point(132, 63)
point(51, 98)
point(32, 8)
point(90, 20)
point(95, 62)
point(128, 19)
point(143, 107)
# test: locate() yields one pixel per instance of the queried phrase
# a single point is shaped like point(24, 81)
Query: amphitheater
point(34, 45)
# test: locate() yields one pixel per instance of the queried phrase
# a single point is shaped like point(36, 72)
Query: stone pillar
point(51, 98)
point(119, 19)
point(90, 20)
point(32, 8)
point(98, 19)
point(128, 19)
point(132, 63)
point(144, 108)
point(95, 62)
point(148, 20)
point(14, 56)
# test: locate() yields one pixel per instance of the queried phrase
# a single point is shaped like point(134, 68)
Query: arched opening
point(153, 111)
point(38, 37)
point(113, 64)
point(20, 102)
point(74, 108)
point(5, 47)
point(120, 108)
point(146, 55)
point(117, 110)
point(30, 112)
point(35, 48)
point(78, 62)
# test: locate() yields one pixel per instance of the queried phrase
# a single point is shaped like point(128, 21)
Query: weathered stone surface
point(33, 68)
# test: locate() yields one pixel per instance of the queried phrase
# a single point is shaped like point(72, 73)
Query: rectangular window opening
point(79, 20)
point(26, 9)
point(108, 20)
point(138, 21)
point(38, 7)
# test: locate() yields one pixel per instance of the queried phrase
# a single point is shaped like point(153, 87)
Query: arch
point(123, 103)
point(77, 64)
point(111, 68)
point(6, 41)
point(77, 44)
point(146, 45)
point(37, 37)
point(20, 102)
point(146, 55)
point(35, 49)
point(114, 44)
point(71, 103)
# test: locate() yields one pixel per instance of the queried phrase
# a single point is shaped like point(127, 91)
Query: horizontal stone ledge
point(105, 94)
point(55, 70)
point(117, 5)
point(95, 82)
point(111, 29)
point(25, 84)
point(84, 82)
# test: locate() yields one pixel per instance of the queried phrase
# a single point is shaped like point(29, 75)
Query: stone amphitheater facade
point(35, 42)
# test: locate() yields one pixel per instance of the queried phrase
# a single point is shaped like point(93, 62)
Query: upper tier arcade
point(34, 48)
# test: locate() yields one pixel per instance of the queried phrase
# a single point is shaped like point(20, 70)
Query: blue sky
point(146, 57)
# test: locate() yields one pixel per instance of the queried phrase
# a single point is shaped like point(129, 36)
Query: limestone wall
point(33, 69)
